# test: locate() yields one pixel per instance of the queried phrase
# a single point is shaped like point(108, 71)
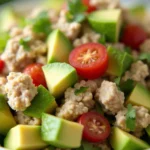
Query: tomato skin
point(94, 69)
point(89, 7)
point(2, 65)
point(133, 36)
point(86, 118)
point(36, 73)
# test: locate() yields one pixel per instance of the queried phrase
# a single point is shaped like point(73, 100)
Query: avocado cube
point(54, 4)
point(59, 47)
point(8, 19)
point(6, 118)
point(24, 137)
point(106, 22)
point(119, 61)
point(121, 140)
point(60, 132)
point(139, 96)
point(59, 76)
point(42, 102)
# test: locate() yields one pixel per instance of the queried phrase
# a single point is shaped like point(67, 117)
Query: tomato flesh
point(90, 60)
point(2, 65)
point(36, 73)
point(133, 36)
point(90, 8)
point(96, 127)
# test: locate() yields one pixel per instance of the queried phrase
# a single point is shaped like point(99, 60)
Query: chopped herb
point(127, 86)
point(99, 108)
point(76, 11)
point(145, 56)
point(117, 81)
point(81, 90)
point(42, 24)
point(130, 118)
point(25, 43)
point(128, 50)
point(4, 36)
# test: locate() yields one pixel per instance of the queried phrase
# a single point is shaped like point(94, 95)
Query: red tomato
point(133, 36)
point(90, 60)
point(36, 73)
point(2, 65)
point(96, 127)
point(90, 8)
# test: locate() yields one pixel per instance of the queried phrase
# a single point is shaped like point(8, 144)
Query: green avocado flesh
point(54, 4)
point(59, 47)
point(121, 140)
point(6, 119)
point(60, 132)
point(119, 61)
point(106, 22)
point(140, 96)
point(42, 102)
point(24, 137)
point(7, 19)
point(59, 76)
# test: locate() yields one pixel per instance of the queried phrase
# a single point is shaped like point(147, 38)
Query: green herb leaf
point(145, 56)
point(76, 11)
point(42, 24)
point(4, 36)
point(25, 43)
point(81, 90)
point(128, 50)
point(99, 108)
point(127, 86)
point(117, 81)
point(130, 118)
point(89, 146)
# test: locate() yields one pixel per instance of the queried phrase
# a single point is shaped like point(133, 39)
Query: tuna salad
point(75, 75)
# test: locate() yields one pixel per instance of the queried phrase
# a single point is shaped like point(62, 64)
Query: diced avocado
point(42, 102)
point(54, 4)
point(4, 36)
point(24, 137)
point(6, 119)
point(106, 22)
point(60, 132)
point(140, 96)
point(119, 61)
point(59, 47)
point(121, 140)
point(148, 130)
point(8, 18)
point(59, 76)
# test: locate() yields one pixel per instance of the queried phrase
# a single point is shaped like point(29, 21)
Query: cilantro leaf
point(25, 43)
point(81, 90)
point(145, 56)
point(128, 50)
point(127, 86)
point(130, 117)
point(42, 24)
point(76, 11)
point(99, 108)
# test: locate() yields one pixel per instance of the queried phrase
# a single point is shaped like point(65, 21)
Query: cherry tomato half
point(36, 73)
point(90, 8)
point(133, 36)
point(90, 60)
point(2, 65)
point(96, 127)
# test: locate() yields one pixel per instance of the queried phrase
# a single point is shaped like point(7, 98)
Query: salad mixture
point(75, 75)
